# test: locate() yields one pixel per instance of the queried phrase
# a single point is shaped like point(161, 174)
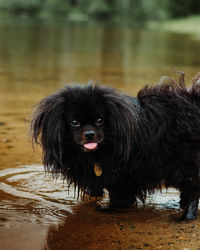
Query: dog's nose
point(89, 134)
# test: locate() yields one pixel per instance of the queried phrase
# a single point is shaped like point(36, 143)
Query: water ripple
point(29, 194)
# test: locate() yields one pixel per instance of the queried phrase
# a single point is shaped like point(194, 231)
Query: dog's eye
point(75, 124)
point(99, 122)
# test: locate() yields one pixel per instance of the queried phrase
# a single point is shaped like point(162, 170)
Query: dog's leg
point(191, 209)
point(122, 196)
point(96, 192)
point(120, 201)
point(189, 200)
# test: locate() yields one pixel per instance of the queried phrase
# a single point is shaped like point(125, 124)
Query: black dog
point(99, 139)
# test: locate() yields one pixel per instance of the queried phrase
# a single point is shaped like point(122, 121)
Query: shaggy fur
point(140, 143)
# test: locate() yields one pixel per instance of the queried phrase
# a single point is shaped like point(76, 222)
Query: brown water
point(36, 58)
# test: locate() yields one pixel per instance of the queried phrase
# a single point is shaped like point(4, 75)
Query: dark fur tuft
point(48, 130)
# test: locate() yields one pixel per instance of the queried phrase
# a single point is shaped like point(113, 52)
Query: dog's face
point(86, 120)
point(88, 136)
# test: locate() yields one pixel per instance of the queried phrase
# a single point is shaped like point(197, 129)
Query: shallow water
point(36, 58)
point(28, 190)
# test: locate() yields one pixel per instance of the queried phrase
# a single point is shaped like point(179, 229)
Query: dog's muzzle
point(90, 140)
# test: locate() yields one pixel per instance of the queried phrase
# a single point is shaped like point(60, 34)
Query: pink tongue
point(91, 145)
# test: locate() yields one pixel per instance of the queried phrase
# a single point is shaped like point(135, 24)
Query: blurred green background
point(101, 9)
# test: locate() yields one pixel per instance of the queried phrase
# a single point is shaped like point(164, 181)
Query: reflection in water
point(34, 52)
point(168, 199)
point(27, 190)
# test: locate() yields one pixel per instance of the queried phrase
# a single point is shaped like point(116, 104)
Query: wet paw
point(104, 207)
point(187, 217)
point(109, 207)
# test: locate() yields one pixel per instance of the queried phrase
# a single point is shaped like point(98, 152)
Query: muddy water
point(36, 58)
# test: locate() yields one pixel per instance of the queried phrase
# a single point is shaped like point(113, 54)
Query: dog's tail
point(195, 88)
point(180, 85)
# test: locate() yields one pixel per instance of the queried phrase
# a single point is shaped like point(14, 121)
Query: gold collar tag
point(97, 169)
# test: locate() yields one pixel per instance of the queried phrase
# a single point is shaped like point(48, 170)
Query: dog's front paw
point(104, 206)
point(110, 207)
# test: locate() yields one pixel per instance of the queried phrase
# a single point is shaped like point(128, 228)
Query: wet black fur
point(149, 141)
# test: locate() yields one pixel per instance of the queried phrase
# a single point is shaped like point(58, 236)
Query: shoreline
point(187, 25)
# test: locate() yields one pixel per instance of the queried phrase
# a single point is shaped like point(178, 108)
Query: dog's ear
point(48, 128)
point(122, 122)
